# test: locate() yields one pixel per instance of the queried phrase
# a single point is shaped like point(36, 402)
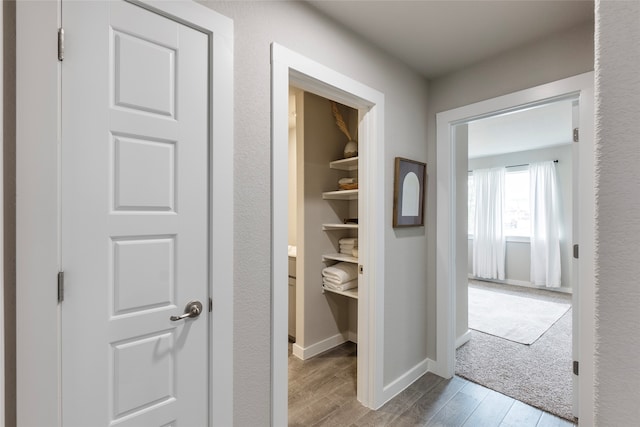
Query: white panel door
point(135, 170)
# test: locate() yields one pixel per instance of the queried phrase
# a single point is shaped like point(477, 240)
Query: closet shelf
point(351, 293)
point(340, 257)
point(330, 227)
point(341, 195)
point(349, 164)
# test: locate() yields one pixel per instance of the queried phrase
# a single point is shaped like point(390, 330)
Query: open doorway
point(291, 69)
point(520, 235)
point(452, 239)
point(323, 255)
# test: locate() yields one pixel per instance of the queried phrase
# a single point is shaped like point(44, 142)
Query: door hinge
point(576, 251)
point(60, 44)
point(210, 305)
point(576, 134)
point(60, 286)
point(576, 367)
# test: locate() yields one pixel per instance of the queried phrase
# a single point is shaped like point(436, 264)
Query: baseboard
point(352, 336)
point(392, 390)
point(523, 283)
point(319, 347)
point(463, 339)
point(438, 369)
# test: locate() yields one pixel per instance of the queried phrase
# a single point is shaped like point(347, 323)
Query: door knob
point(192, 309)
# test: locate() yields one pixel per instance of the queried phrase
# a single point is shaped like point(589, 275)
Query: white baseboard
point(524, 283)
point(392, 390)
point(352, 336)
point(438, 369)
point(319, 347)
point(463, 339)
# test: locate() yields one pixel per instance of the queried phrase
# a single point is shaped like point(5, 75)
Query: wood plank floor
point(322, 392)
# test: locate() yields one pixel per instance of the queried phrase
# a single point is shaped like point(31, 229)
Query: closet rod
point(517, 166)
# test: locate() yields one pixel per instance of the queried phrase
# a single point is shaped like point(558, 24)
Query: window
point(516, 215)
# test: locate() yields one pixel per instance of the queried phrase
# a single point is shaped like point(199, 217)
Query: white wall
point(300, 28)
point(617, 335)
point(558, 56)
point(518, 254)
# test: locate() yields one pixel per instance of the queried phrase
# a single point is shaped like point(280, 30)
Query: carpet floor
point(515, 318)
point(538, 374)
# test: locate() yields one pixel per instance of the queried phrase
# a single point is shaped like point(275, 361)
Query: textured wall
point(300, 28)
point(558, 56)
point(618, 209)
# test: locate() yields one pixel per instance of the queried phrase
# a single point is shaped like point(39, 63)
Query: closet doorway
point(452, 240)
point(291, 69)
point(323, 254)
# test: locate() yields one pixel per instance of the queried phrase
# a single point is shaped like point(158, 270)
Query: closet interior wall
point(323, 319)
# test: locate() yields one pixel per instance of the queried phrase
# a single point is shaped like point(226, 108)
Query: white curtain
point(545, 228)
point(488, 234)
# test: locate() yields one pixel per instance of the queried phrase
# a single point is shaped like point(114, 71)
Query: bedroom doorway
point(452, 241)
point(520, 173)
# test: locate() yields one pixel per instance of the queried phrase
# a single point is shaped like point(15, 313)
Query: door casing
point(290, 68)
point(581, 86)
point(38, 205)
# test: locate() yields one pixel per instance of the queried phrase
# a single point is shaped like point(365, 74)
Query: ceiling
point(534, 128)
point(437, 37)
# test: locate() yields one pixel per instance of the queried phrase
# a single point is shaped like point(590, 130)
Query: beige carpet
point(512, 317)
point(538, 374)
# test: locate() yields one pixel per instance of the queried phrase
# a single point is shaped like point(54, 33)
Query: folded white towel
point(341, 272)
point(354, 252)
point(331, 281)
point(342, 287)
point(347, 247)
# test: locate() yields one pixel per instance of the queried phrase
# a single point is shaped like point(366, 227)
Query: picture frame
point(408, 193)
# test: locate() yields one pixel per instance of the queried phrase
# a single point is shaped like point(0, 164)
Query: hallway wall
point(558, 56)
point(298, 27)
point(617, 372)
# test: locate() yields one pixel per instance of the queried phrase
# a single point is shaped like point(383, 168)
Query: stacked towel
point(348, 245)
point(340, 276)
point(343, 287)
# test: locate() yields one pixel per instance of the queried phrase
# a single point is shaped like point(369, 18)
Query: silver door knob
point(192, 309)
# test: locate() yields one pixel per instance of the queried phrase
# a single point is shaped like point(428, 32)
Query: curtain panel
point(489, 240)
point(545, 225)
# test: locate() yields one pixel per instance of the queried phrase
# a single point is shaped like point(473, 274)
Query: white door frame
point(290, 68)
point(38, 211)
point(2, 395)
point(583, 86)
